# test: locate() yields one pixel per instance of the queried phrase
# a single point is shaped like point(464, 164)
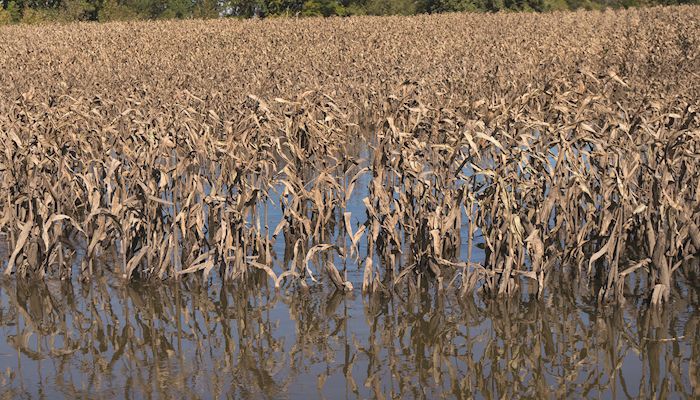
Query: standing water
point(107, 340)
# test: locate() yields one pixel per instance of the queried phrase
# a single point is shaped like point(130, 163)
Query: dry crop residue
point(563, 145)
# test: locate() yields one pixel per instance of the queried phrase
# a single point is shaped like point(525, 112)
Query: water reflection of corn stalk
point(190, 339)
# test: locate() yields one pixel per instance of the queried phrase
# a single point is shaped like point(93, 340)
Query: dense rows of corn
point(557, 143)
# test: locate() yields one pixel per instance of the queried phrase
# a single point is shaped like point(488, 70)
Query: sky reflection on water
point(104, 340)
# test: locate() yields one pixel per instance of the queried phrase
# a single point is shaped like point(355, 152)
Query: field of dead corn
point(488, 153)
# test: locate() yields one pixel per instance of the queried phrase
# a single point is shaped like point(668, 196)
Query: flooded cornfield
point(442, 206)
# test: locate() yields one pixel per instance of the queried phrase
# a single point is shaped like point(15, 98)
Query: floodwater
point(108, 340)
